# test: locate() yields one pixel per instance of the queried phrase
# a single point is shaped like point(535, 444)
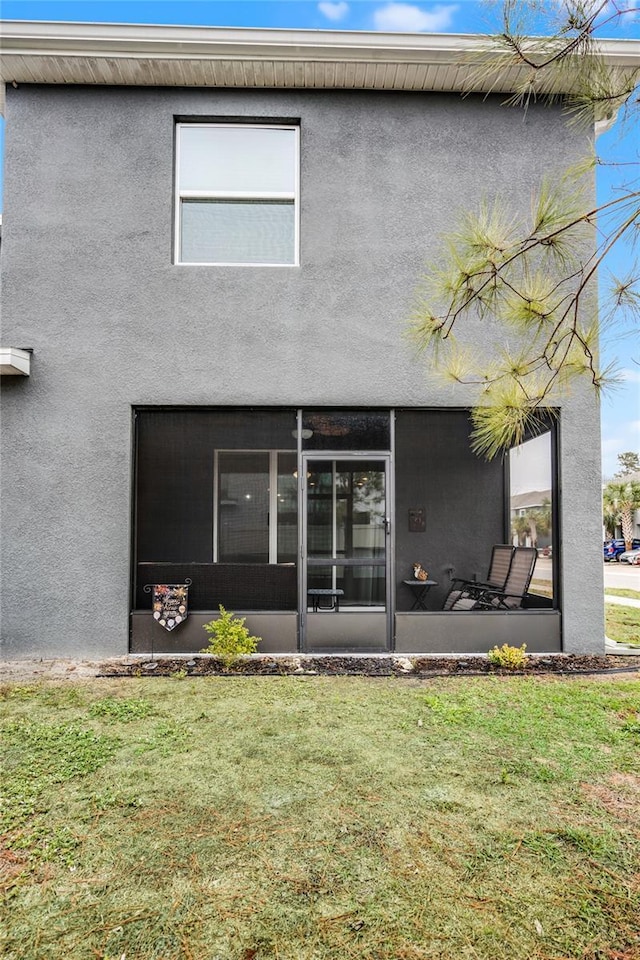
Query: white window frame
point(181, 195)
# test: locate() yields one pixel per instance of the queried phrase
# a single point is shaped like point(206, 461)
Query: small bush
point(511, 658)
point(230, 638)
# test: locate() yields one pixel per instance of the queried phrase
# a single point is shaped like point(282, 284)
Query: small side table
point(420, 589)
point(325, 599)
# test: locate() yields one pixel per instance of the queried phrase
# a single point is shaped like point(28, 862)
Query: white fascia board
point(25, 37)
point(83, 39)
point(14, 362)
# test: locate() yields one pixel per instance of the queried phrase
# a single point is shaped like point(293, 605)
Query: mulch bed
point(374, 666)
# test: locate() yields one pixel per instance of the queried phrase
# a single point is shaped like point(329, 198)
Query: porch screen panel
point(352, 430)
point(531, 510)
point(174, 505)
point(462, 495)
point(363, 585)
point(177, 513)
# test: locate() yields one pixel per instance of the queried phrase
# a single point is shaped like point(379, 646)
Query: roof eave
point(56, 52)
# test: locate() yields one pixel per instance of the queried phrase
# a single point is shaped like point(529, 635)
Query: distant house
point(524, 503)
point(530, 515)
point(211, 240)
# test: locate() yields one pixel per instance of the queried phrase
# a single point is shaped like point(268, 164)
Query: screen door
point(345, 602)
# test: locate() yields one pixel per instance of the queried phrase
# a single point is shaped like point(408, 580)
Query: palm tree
point(540, 521)
point(520, 527)
point(622, 499)
point(609, 516)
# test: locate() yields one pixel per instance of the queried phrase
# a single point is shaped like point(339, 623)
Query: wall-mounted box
point(417, 520)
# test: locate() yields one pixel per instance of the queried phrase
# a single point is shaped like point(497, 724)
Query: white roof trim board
point(143, 55)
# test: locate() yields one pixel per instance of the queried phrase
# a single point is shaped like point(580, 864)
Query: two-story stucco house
point(211, 242)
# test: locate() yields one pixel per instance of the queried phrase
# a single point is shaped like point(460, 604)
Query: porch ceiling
point(150, 55)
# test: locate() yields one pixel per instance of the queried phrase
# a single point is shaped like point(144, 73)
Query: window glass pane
point(360, 510)
point(531, 499)
point(287, 508)
point(357, 527)
point(320, 518)
point(237, 158)
point(243, 507)
point(237, 232)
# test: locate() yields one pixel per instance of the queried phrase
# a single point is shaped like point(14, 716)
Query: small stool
point(333, 597)
point(420, 589)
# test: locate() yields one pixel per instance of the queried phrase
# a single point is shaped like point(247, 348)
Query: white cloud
point(408, 18)
point(334, 11)
point(630, 375)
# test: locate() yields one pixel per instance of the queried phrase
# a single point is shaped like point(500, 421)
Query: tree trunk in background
point(626, 522)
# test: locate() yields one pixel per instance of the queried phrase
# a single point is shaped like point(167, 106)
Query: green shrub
point(511, 658)
point(230, 638)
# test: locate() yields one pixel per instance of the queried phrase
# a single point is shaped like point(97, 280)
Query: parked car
point(630, 556)
point(613, 549)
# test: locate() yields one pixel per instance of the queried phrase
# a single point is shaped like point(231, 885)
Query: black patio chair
point(515, 588)
point(501, 556)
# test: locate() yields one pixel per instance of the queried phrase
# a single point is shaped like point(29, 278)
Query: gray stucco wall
point(88, 282)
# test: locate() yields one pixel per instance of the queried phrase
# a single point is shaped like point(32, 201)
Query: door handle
point(387, 525)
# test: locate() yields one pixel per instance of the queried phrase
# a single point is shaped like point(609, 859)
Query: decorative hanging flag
point(170, 604)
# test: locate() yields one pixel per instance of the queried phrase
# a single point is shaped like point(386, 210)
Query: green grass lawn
point(623, 592)
point(623, 623)
point(315, 818)
point(542, 587)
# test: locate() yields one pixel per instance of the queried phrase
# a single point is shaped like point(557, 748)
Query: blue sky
point(621, 407)
point(456, 17)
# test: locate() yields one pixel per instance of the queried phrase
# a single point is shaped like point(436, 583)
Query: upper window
point(237, 194)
